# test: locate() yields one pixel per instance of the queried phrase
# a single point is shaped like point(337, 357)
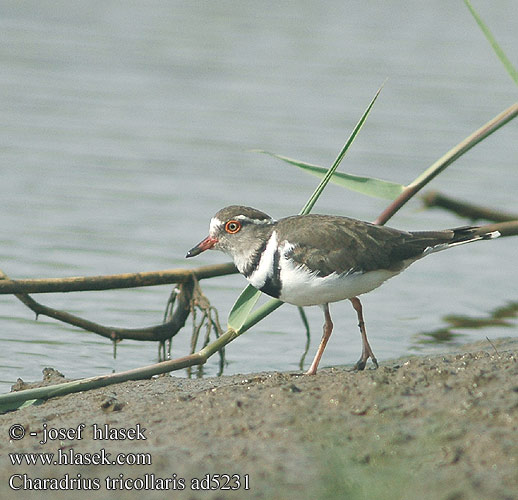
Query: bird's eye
point(232, 226)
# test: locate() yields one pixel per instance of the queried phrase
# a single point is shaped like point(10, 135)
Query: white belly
point(303, 289)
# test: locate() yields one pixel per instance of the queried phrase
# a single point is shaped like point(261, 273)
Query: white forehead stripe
point(215, 223)
point(254, 221)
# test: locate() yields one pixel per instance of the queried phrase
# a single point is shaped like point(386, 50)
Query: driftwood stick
point(509, 228)
point(110, 282)
point(463, 209)
point(153, 333)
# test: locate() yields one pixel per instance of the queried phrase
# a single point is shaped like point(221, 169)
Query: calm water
point(124, 127)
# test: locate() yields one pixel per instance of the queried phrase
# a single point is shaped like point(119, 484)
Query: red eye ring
point(232, 226)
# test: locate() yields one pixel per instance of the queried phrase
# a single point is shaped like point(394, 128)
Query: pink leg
point(328, 328)
point(366, 348)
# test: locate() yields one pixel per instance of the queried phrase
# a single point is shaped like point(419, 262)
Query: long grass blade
point(369, 186)
point(491, 39)
point(453, 154)
point(323, 183)
point(242, 307)
point(260, 313)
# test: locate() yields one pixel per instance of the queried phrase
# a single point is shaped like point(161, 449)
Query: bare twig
point(493, 346)
point(164, 354)
point(464, 209)
point(210, 319)
point(109, 282)
point(504, 228)
point(152, 333)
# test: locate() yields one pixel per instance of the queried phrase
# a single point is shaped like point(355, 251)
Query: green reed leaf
point(242, 307)
point(369, 186)
point(327, 177)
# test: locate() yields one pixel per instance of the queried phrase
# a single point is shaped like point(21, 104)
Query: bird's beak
point(206, 244)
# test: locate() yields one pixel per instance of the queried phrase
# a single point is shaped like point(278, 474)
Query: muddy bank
point(443, 427)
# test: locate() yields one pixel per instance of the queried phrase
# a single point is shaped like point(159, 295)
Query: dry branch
point(464, 209)
point(109, 282)
point(153, 333)
point(509, 228)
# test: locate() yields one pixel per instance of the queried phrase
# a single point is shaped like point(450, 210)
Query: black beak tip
point(194, 251)
point(206, 244)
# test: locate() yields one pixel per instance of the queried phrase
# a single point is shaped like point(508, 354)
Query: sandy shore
point(443, 427)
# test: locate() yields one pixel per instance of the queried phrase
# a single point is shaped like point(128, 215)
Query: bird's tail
point(468, 234)
point(462, 235)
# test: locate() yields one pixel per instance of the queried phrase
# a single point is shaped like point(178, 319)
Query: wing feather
point(330, 244)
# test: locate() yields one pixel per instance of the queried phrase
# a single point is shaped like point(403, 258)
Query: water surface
point(126, 126)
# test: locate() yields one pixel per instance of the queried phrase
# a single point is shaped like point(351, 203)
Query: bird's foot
point(311, 371)
point(360, 365)
point(362, 362)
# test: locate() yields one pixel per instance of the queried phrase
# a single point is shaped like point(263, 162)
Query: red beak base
point(206, 244)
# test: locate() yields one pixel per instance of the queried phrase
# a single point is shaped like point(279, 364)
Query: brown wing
point(330, 244)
